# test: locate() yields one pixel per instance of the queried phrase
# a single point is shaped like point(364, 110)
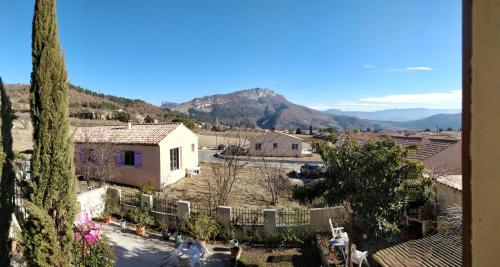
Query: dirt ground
point(249, 191)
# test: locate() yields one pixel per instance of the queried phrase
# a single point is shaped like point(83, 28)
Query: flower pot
point(123, 224)
point(140, 230)
point(106, 219)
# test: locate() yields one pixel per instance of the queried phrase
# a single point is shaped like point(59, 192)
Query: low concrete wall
point(319, 217)
point(92, 201)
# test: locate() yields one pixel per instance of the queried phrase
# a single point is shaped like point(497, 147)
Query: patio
point(134, 251)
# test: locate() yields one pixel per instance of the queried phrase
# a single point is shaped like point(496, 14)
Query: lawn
point(249, 191)
point(304, 256)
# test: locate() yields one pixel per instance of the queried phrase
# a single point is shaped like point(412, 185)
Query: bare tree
point(276, 183)
point(94, 156)
point(227, 171)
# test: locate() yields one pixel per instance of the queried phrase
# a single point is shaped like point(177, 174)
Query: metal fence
point(130, 198)
point(197, 208)
point(241, 216)
point(165, 205)
point(292, 217)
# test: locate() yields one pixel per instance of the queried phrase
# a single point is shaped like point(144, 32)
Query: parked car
point(234, 150)
point(311, 170)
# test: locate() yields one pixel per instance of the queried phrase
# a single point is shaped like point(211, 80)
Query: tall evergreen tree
point(51, 189)
point(8, 176)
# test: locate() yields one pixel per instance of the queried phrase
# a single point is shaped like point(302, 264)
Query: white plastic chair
point(336, 231)
point(358, 257)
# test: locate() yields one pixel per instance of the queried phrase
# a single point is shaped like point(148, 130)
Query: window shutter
point(137, 159)
point(81, 154)
point(118, 158)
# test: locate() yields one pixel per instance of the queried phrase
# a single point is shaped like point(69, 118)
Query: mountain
point(440, 120)
point(397, 115)
point(168, 104)
point(264, 108)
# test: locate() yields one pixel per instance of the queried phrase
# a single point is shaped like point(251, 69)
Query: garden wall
point(92, 201)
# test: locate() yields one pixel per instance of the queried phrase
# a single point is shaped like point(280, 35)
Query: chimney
point(156, 121)
point(129, 125)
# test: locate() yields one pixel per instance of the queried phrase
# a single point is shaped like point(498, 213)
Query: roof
point(441, 249)
point(289, 135)
point(453, 181)
point(142, 134)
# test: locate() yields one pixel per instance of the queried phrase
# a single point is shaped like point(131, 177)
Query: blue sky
point(352, 55)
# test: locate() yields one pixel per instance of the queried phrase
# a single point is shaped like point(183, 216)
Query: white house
point(275, 144)
point(160, 153)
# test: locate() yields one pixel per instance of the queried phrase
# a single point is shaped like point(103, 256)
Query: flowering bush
point(90, 247)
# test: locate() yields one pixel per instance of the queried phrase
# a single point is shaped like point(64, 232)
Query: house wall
point(284, 145)
point(184, 138)
point(485, 129)
point(130, 175)
point(448, 160)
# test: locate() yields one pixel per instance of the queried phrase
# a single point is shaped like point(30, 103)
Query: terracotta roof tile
point(453, 181)
point(441, 249)
point(145, 134)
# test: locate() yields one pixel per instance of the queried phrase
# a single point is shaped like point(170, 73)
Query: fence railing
point(174, 210)
point(292, 217)
point(165, 205)
point(197, 208)
point(129, 198)
point(241, 216)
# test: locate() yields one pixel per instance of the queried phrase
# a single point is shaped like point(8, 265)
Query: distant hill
point(266, 109)
point(86, 104)
point(440, 120)
point(397, 115)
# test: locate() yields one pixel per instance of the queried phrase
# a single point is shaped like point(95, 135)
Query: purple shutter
point(81, 154)
point(138, 158)
point(96, 156)
point(118, 158)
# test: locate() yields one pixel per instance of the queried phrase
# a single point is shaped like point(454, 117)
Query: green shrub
point(99, 254)
point(202, 227)
point(142, 216)
point(287, 236)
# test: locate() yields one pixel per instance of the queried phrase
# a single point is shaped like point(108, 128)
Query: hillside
point(406, 114)
point(440, 120)
point(264, 108)
point(86, 104)
point(86, 108)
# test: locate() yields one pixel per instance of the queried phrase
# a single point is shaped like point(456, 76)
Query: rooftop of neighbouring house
point(429, 144)
point(453, 181)
point(141, 134)
point(441, 249)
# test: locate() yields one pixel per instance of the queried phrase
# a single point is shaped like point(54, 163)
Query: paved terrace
point(135, 251)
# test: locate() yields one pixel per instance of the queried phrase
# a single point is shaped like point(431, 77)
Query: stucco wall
point(485, 132)
point(267, 140)
point(92, 201)
point(130, 175)
point(184, 138)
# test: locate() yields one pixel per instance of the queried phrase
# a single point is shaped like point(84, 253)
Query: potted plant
point(202, 227)
point(163, 223)
point(106, 216)
point(142, 217)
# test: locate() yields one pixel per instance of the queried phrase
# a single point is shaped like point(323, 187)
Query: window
point(129, 158)
point(174, 159)
point(275, 145)
point(258, 146)
point(192, 148)
point(295, 146)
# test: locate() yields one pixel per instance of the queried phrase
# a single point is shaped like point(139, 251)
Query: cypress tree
point(51, 189)
point(8, 176)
